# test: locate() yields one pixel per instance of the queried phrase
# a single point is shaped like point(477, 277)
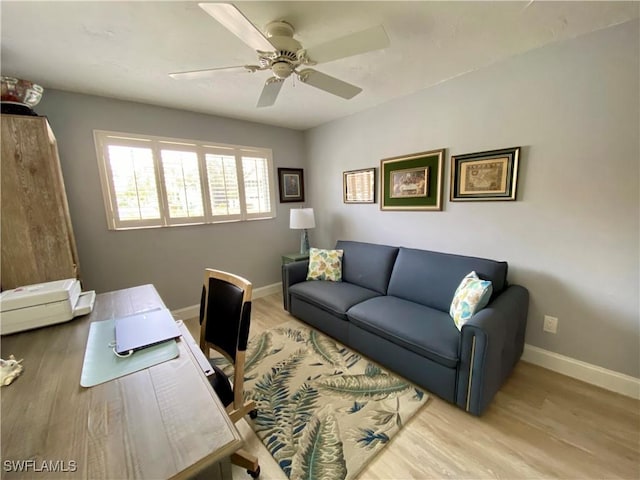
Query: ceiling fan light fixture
point(281, 69)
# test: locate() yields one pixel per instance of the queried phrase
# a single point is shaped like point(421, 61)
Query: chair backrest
point(225, 317)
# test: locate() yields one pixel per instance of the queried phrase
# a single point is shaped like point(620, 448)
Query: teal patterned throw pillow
point(325, 265)
point(471, 296)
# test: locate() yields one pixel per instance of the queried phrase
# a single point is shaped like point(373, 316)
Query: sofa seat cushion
point(334, 297)
point(426, 331)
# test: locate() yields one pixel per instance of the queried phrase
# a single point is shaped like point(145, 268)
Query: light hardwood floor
point(540, 425)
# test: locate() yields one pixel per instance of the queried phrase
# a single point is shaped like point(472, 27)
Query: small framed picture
point(291, 182)
point(359, 186)
point(490, 175)
point(412, 182)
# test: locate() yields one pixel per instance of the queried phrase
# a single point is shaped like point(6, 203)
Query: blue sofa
point(392, 306)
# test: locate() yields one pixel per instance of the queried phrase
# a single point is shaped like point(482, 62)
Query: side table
point(294, 257)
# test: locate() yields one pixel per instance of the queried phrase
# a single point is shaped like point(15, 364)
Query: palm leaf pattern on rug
point(320, 454)
point(365, 387)
point(369, 438)
point(257, 350)
point(294, 334)
point(298, 413)
point(327, 349)
point(323, 410)
point(271, 394)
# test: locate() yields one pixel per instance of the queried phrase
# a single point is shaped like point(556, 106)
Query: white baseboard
point(267, 290)
point(194, 310)
point(601, 377)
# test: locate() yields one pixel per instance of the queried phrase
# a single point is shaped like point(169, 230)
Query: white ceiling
point(126, 49)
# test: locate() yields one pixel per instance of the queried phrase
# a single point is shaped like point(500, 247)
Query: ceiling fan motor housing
point(284, 60)
point(279, 28)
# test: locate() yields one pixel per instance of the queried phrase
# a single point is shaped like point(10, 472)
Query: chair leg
point(237, 414)
point(244, 459)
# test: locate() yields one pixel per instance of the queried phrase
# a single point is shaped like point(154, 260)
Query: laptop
point(144, 329)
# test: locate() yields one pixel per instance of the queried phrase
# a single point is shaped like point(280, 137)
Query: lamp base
point(304, 243)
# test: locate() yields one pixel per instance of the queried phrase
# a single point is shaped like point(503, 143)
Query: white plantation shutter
point(256, 185)
point(223, 185)
point(182, 183)
point(156, 181)
point(134, 183)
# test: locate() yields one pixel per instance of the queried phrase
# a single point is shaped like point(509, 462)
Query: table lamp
point(302, 219)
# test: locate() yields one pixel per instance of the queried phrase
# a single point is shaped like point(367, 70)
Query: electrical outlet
point(550, 324)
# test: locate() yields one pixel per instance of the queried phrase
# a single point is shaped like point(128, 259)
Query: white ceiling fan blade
point(328, 83)
point(354, 44)
point(209, 72)
point(233, 19)
point(270, 92)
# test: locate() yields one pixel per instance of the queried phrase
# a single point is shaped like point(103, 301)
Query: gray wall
point(172, 258)
point(572, 236)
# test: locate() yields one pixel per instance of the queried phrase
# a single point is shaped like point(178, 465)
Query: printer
point(43, 304)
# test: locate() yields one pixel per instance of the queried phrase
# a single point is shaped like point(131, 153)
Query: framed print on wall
point(412, 182)
point(359, 186)
point(490, 175)
point(291, 183)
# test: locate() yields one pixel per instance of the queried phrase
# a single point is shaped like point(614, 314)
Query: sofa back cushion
point(431, 278)
point(366, 264)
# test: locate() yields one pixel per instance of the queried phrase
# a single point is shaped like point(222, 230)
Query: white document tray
point(42, 304)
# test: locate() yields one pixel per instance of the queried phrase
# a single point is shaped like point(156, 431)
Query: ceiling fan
point(284, 56)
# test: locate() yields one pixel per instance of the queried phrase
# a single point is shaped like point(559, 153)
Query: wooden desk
point(162, 422)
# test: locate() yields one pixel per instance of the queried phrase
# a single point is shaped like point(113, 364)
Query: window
point(155, 182)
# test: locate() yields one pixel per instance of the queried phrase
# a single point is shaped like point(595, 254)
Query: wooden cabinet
point(37, 237)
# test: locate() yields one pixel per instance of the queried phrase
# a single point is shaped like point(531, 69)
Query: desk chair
point(225, 316)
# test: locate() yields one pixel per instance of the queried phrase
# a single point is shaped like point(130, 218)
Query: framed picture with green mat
point(412, 182)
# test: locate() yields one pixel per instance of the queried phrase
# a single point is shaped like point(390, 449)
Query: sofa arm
point(492, 343)
point(292, 273)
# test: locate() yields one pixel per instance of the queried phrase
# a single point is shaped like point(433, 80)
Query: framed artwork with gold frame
point(412, 182)
point(490, 175)
point(359, 186)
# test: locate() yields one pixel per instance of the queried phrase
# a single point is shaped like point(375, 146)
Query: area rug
point(323, 410)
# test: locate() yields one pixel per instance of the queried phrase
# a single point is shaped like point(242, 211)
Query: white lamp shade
point(301, 218)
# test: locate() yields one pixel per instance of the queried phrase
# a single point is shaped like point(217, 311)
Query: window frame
point(105, 138)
